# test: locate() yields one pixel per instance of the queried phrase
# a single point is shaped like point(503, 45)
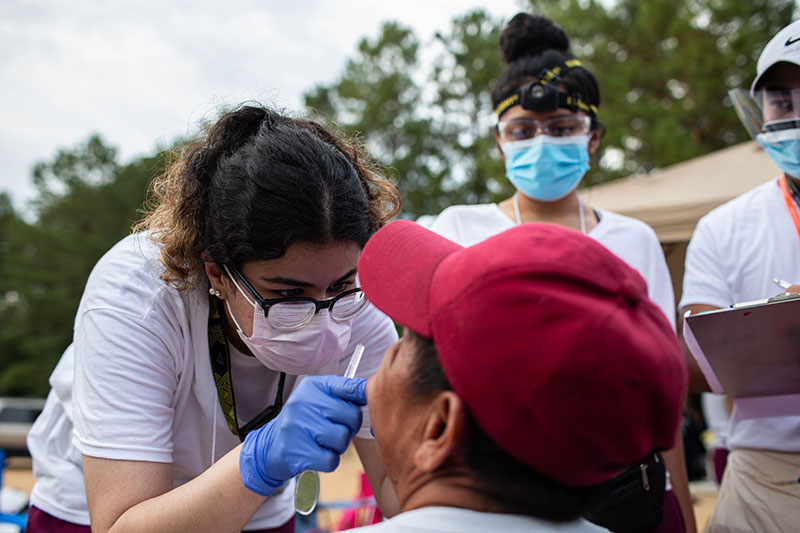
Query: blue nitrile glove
point(312, 430)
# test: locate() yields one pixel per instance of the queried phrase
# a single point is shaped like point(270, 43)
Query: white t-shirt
point(136, 384)
point(456, 520)
point(715, 412)
point(735, 252)
point(631, 240)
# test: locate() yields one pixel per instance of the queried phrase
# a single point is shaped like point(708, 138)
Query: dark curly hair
point(255, 183)
point(532, 44)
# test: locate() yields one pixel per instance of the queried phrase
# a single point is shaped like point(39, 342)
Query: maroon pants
point(41, 522)
point(720, 460)
point(672, 520)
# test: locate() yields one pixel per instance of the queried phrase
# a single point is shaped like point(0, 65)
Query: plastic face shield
point(768, 114)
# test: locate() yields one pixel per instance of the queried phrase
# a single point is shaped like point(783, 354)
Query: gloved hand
point(312, 430)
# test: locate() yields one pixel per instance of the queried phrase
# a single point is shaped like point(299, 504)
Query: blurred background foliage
point(86, 201)
point(423, 110)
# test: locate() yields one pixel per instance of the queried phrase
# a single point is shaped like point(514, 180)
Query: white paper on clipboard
point(752, 354)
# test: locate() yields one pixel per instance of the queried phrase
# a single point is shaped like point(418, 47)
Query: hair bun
point(529, 35)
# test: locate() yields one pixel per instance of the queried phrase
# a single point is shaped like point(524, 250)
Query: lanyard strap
point(221, 367)
point(787, 197)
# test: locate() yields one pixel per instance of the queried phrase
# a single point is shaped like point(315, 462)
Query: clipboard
point(751, 353)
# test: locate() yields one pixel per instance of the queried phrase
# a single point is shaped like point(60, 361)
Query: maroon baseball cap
point(548, 337)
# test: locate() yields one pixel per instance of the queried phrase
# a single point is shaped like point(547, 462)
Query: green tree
point(464, 73)
point(12, 226)
point(86, 201)
point(425, 120)
point(664, 68)
point(377, 97)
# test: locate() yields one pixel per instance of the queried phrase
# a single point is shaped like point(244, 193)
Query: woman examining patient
point(183, 403)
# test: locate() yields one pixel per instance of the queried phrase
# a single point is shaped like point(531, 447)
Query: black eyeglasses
point(293, 313)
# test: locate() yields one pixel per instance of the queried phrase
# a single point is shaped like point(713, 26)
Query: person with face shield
point(735, 253)
point(206, 367)
point(547, 106)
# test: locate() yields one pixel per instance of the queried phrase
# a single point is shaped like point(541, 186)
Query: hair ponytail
point(532, 44)
point(528, 35)
point(254, 183)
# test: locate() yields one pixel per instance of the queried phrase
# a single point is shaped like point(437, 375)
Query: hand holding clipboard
point(751, 352)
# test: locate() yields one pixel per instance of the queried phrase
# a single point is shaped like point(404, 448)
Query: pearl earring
point(213, 292)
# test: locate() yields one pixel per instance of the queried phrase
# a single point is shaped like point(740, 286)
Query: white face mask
point(314, 349)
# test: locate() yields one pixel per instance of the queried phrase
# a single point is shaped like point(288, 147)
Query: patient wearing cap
point(532, 369)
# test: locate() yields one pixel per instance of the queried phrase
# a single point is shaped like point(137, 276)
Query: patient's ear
point(444, 432)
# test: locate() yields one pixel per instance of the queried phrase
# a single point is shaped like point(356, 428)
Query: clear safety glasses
point(767, 113)
point(293, 313)
point(519, 129)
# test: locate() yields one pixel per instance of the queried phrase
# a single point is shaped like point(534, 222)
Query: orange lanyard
point(787, 197)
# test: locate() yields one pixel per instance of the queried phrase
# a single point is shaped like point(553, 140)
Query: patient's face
point(393, 413)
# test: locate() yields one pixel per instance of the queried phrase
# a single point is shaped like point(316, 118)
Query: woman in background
point(547, 106)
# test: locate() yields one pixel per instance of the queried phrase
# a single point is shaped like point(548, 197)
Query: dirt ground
point(17, 473)
point(344, 483)
point(704, 496)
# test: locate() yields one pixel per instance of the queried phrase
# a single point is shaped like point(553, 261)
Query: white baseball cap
point(785, 46)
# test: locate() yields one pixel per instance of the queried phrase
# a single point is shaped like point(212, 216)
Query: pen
point(306, 490)
point(780, 283)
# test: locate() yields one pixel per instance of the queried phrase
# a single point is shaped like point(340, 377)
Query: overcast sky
point(141, 73)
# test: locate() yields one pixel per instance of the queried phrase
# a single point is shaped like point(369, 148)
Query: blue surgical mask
point(547, 168)
point(783, 147)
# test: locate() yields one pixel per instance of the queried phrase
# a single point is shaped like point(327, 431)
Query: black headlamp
point(542, 96)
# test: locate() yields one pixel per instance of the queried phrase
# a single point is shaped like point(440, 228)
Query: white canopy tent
point(672, 200)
